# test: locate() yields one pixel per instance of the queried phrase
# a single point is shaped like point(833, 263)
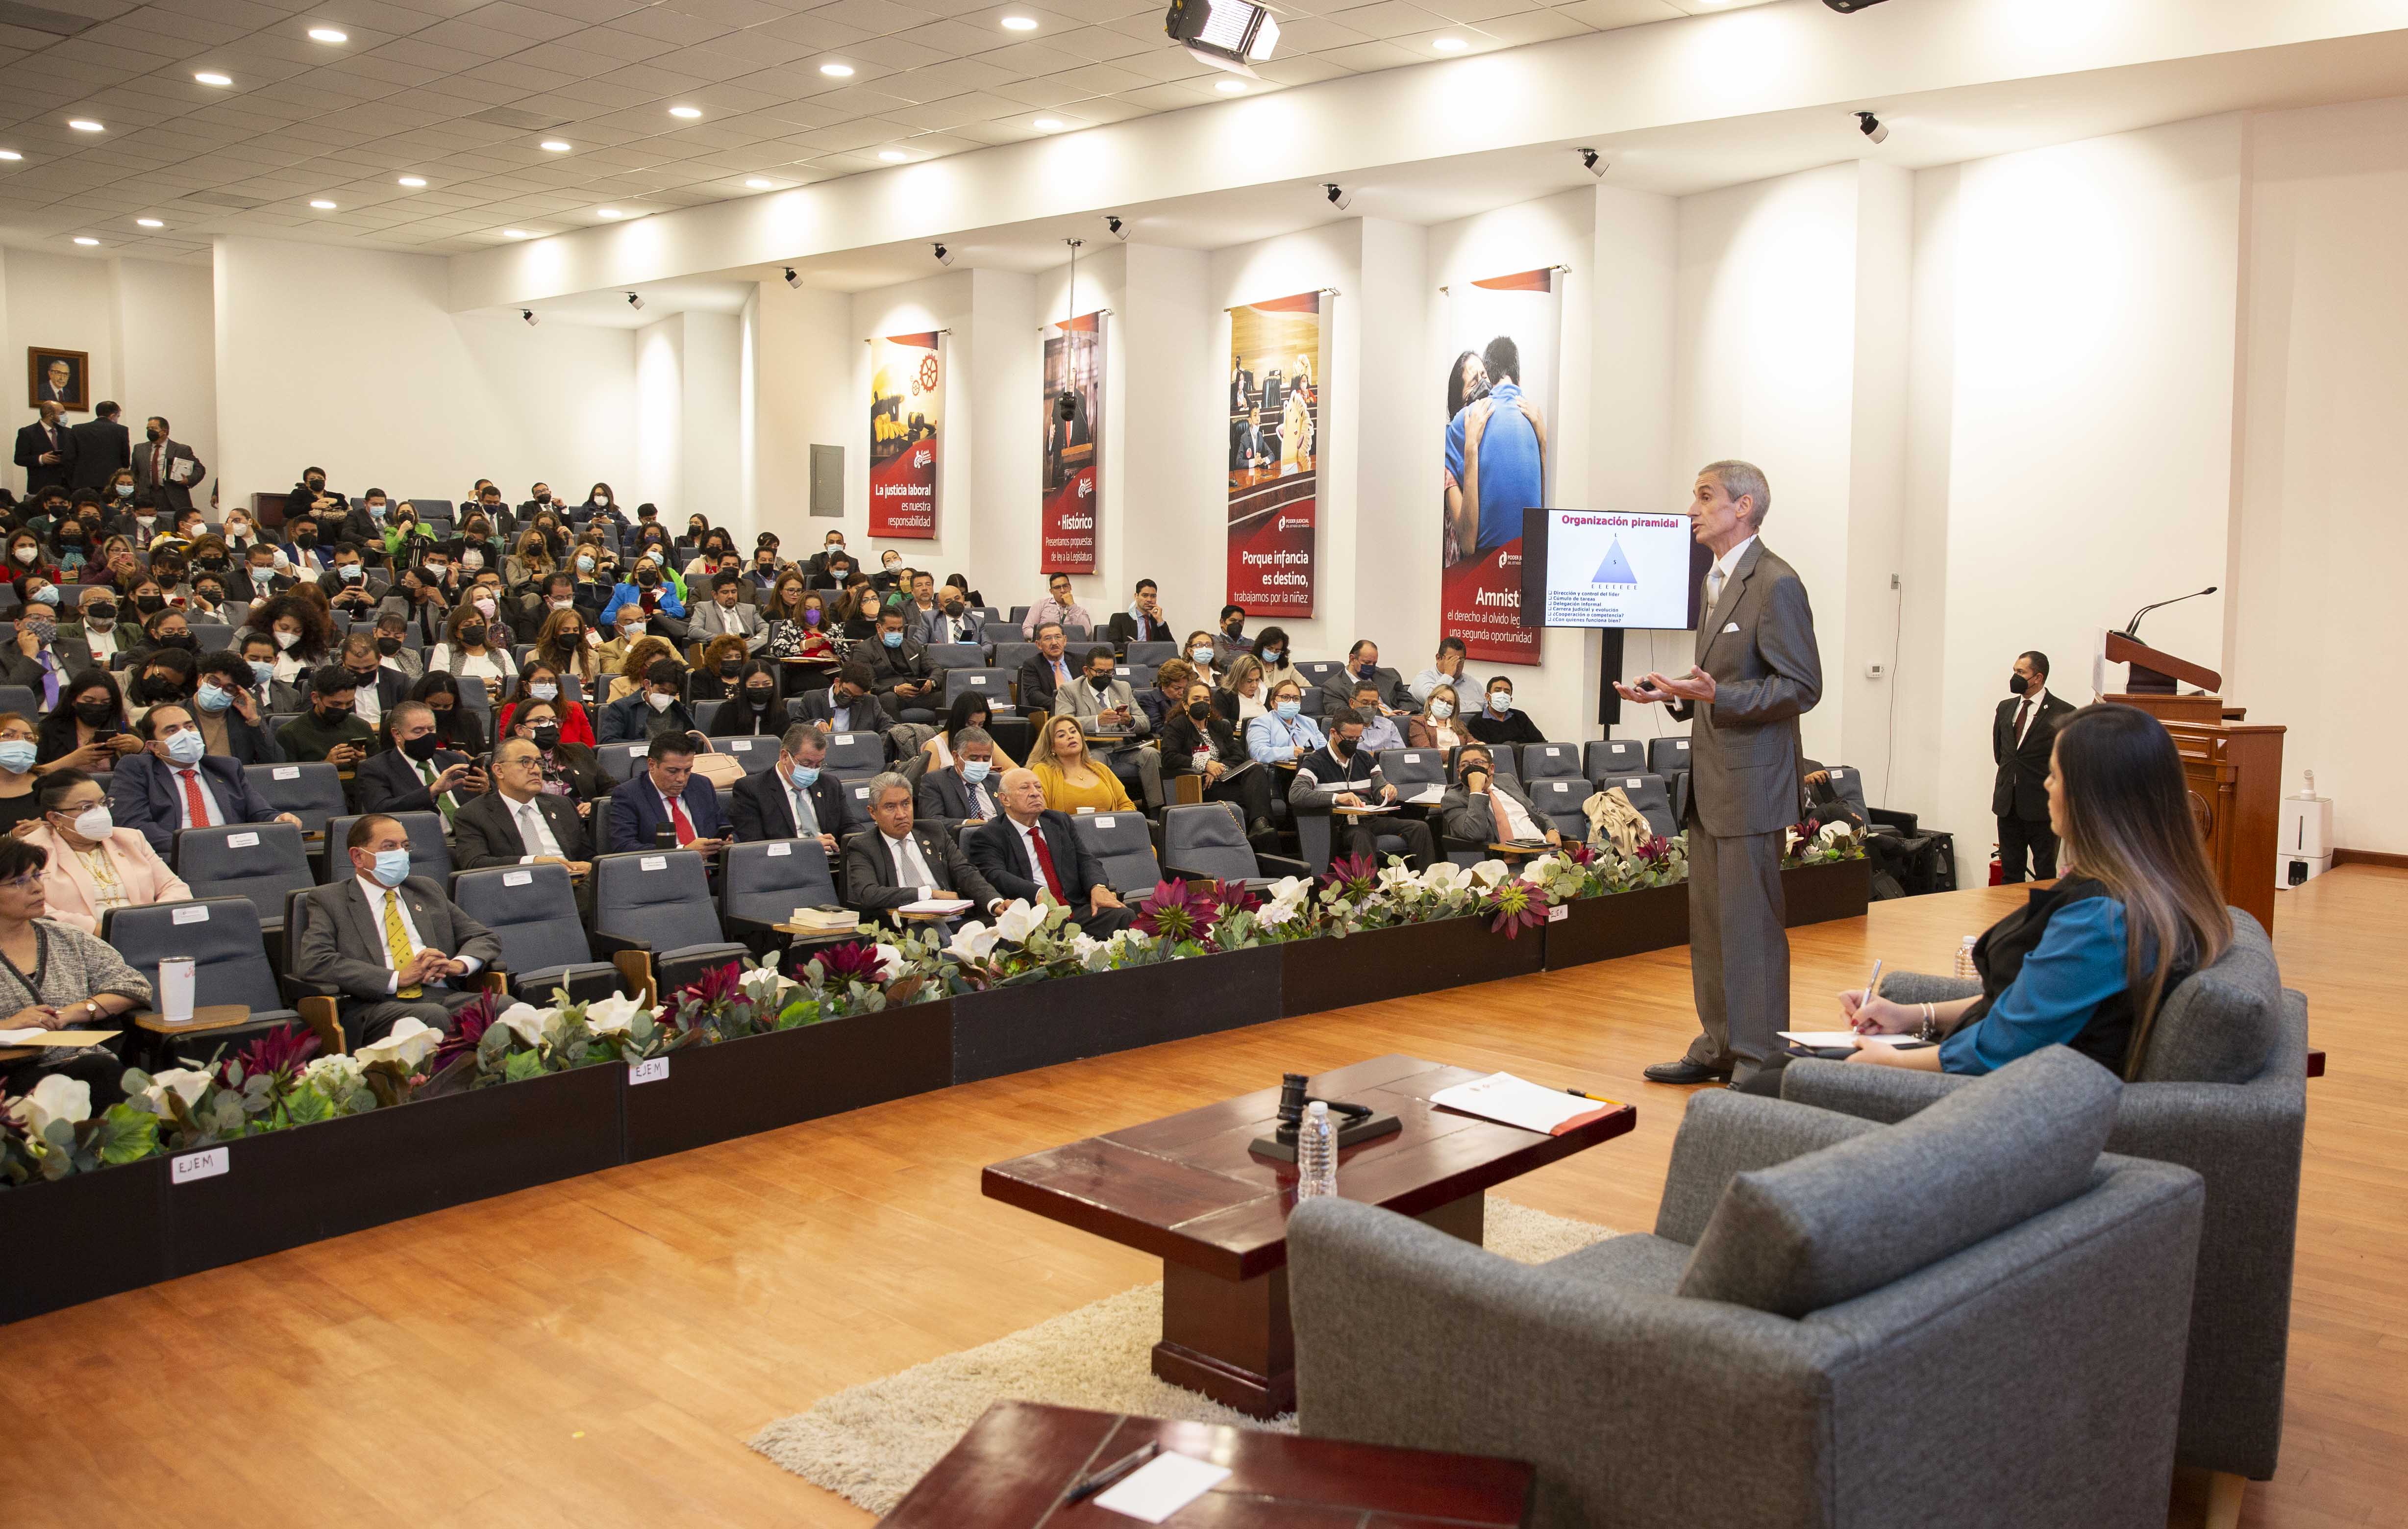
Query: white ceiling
point(415, 88)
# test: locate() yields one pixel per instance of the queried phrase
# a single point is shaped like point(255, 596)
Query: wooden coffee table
point(1012, 1468)
point(1186, 1189)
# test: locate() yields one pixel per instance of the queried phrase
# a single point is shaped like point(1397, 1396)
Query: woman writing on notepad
point(2086, 962)
point(54, 976)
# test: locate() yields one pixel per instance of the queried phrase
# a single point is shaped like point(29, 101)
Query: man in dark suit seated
point(900, 671)
point(519, 823)
point(899, 862)
point(650, 712)
point(1362, 666)
point(666, 795)
point(174, 783)
point(1031, 850)
point(391, 944)
point(1489, 809)
point(962, 796)
point(794, 799)
point(331, 729)
point(848, 704)
point(416, 774)
point(1045, 671)
point(1342, 774)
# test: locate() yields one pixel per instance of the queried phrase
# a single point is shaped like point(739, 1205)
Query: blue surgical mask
point(17, 756)
point(48, 595)
point(543, 690)
point(391, 867)
point(187, 747)
point(262, 671)
point(975, 770)
point(1288, 710)
point(893, 640)
point(805, 776)
point(210, 697)
point(1201, 653)
point(351, 573)
point(1270, 657)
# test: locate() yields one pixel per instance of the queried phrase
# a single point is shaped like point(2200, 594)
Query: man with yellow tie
point(393, 945)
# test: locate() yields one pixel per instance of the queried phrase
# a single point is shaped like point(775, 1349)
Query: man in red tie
point(176, 784)
point(1031, 850)
point(666, 796)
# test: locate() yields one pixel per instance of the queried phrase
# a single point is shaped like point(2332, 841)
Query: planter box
point(1600, 929)
point(320, 1181)
point(762, 1082)
point(1011, 1030)
point(83, 1237)
point(1816, 894)
point(1326, 973)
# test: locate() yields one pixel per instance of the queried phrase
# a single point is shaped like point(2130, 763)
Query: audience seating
point(312, 792)
point(1140, 677)
point(1316, 672)
point(1010, 655)
point(762, 884)
point(705, 713)
point(1157, 654)
point(620, 760)
point(1414, 770)
point(851, 755)
point(659, 901)
point(532, 910)
point(994, 683)
point(223, 937)
point(262, 861)
point(956, 655)
point(1209, 840)
point(211, 635)
point(1604, 757)
point(430, 853)
point(1558, 803)
point(1551, 761)
point(756, 754)
point(856, 808)
point(20, 698)
point(1123, 841)
point(1648, 794)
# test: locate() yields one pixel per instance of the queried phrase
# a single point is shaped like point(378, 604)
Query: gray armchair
point(1970, 1317)
point(2222, 1091)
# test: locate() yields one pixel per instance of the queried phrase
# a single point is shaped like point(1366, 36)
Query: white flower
point(334, 1077)
point(185, 1083)
point(1446, 878)
point(611, 1015)
point(763, 985)
point(1016, 923)
point(57, 1097)
point(1397, 879)
point(890, 964)
point(407, 1044)
point(1489, 873)
point(527, 1022)
point(1834, 832)
point(1539, 869)
point(1789, 841)
point(972, 942)
point(1085, 946)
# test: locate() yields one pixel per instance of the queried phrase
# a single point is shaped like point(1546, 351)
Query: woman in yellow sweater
point(1073, 781)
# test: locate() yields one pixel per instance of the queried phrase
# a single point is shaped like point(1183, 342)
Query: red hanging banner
point(907, 415)
point(1074, 427)
point(1274, 438)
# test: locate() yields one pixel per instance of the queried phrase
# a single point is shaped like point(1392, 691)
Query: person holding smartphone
point(86, 730)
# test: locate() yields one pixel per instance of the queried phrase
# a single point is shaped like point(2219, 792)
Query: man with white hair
point(1033, 851)
point(1756, 671)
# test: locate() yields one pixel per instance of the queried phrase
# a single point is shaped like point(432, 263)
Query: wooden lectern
point(2234, 770)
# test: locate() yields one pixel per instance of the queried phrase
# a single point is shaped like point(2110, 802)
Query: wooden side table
point(205, 1018)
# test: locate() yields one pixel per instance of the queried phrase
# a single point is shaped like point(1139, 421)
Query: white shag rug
point(870, 1442)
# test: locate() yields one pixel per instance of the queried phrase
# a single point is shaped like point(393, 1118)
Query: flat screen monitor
point(1610, 569)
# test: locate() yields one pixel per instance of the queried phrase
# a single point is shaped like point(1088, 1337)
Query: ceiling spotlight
point(207, 79)
point(758, 184)
point(149, 223)
point(514, 233)
point(1120, 229)
point(836, 71)
point(10, 153)
point(794, 281)
point(1230, 87)
point(1847, 7)
point(552, 146)
point(1341, 201)
point(1449, 45)
point(1020, 23)
point(327, 34)
point(1047, 124)
point(944, 257)
point(892, 156)
point(1871, 126)
point(1595, 163)
point(635, 301)
point(86, 238)
point(1232, 35)
point(686, 112)
point(85, 125)
point(528, 314)
point(413, 180)
point(606, 211)
point(323, 205)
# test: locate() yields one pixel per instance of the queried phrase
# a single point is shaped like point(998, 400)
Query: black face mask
point(1201, 710)
point(1342, 747)
point(729, 670)
point(388, 646)
point(1101, 682)
point(647, 578)
point(219, 565)
point(104, 612)
point(954, 608)
point(366, 678)
point(546, 735)
point(182, 640)
point(153, 435)
point(472, 636)
point(317, 482)
point(208, 594)
point(1234, 628)
point(148, 604)
point(96, 713)
point(159, 687)
point(422, 748)
point(2018, 684)
point(330, 715)
point(760, 695)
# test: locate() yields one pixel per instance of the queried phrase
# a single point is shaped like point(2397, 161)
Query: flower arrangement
point(1029, 942)
point(50, 1132)
point(1814, 843)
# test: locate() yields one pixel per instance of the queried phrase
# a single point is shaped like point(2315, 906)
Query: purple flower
point(1235, 897)
point(278, 1054)
point(846, 964)
point(1175, 914)
point(470, 1024)
point(1515, 906)
point(1354, 875)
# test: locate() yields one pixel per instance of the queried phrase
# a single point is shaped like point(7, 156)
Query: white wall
point(349, 359)
point(804, 353)
point(166, 359)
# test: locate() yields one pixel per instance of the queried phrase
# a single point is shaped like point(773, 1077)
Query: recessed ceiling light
point(1047, 124)
point(323, 205)
point(758, 184)
point(414, 180)
point(10, 153)
point(207, 79)
point(1230, 87)
point(552, 146)
point(836, 71)
point(81, 239)
point(1449, 45)
point(149, 223)
point(514, 233)
point(327, 34)
point(1020, 23)
point(892, 156)
point(606, 211)
point(84, 124)
point(686, 112)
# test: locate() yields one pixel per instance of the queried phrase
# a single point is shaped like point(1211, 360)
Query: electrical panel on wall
point(828, 481)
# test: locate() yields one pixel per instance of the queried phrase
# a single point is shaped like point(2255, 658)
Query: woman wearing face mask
point(540, 681)
point(239, 533)
point(86, 730)
point(24, 556)
point(529, 562)
point(651, 587)
point(697, 527)
point(561, 645)
point(303, 634)
point(1441, 724)
point(1285, 734)
point(94, 865)
point(405, 536)
point(719, 669)
point(456, 726)
point(19, 808)
point(1500, 723)
point(635, 662)
point(569, 769)
point(474, 548)
point(799, 641)
point(1272, 647)
point(71, 544)
point(1197, 740)
point(969, 710)
point(753, 709)
point(1197, 650)
point(469, 651)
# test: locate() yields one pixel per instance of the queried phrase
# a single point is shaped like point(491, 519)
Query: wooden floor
point(595, 1352)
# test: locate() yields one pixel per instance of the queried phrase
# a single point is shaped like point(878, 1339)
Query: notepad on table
point(1843, 1040)
point(936, 907)
point(1162, 1486)
point(1501, 1096)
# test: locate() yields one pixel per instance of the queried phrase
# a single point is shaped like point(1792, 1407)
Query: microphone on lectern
point(2133, 627)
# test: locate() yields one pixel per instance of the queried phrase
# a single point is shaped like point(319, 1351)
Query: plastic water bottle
point(1965, 967)
point(1316, 1153)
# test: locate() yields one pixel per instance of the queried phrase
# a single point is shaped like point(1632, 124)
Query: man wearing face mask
point(658, 707)
point(94, 637)
point(1500, 722)
point(362, 524)
point(297, 540)
point(847, 705)
point(176, 784)
point(1232, 639)
point(952, 620)
point(330, 729)
point(420, 600)
point(166, 469)
point(94, 865)
point(727, 615)
point(227, 709)
point(818, 566)
point(346, 584)
point(392, 649)
point(380, 689)
point(33, 658)
point(1363, 667)
point(264, 573)
point(2023, 736)
point(962, 795)
point(416, 774)
point(1103, 702)
point(794, 799)
point(46, 450)
point(311, 497)
point(901, 672)
point(1344, 774)
point(391, 944)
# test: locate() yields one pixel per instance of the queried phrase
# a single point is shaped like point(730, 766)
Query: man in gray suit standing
point(1756, 673)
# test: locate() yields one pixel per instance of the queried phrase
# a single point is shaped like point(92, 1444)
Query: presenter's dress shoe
point(1686, 1070)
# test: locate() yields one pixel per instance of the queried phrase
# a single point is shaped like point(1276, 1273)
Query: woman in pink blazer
point(94, 865)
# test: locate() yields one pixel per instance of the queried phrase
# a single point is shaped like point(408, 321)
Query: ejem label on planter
point(189, 1167)
point(650, 1070)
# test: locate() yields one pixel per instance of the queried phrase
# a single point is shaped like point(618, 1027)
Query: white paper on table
point(1844, 1040)
point(1501, 1096)
point(945, 906)
point(1368, 808)
point(1161, 1487)
point(1427, 795)
point(19, 1037)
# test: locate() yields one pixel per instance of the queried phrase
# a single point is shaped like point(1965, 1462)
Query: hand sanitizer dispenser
point(2303, 845)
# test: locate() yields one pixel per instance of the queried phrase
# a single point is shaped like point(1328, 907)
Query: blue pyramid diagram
point(1615, 568)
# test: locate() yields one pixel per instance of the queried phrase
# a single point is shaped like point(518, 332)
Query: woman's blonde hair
point(1079, 734)
point(1245, 666)
point(1453, 699)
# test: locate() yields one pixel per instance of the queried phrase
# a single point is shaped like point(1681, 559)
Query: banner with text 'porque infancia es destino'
point(1500, 399)
point(1074, 489)
point(907, 419)
point(1274, 431)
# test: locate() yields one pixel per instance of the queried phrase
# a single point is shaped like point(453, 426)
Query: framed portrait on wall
point(59, 377)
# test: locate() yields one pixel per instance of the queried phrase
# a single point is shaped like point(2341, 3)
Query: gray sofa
point(1970, 1317)
point(2222, 1091)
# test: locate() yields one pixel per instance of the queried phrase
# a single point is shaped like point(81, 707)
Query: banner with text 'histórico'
point(1500, 399)
point(907, 417)
point(1274, 432)
point(1073, 487)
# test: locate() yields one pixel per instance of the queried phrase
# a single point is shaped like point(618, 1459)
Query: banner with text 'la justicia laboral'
point(1073, 486)
point(1500, 399)
point(906, 418)
point(1274, 430)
